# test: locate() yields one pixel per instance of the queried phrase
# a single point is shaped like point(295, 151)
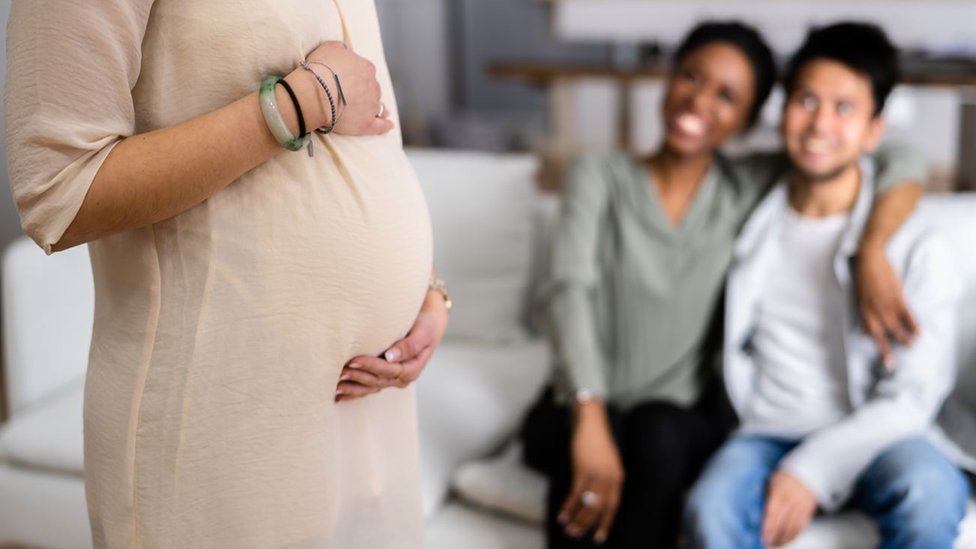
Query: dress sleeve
point(71, 68)
point(574, 274)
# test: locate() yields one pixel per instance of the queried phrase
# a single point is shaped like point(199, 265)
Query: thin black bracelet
point(298, 108)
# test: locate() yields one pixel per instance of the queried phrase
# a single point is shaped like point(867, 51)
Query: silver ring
point(382, 110)
point(589, 499)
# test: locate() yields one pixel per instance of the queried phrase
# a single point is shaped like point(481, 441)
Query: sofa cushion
point(48, 435)
point(952, 217)
point(481, 208)
point(460, 526)
point(503, 487)
point(471, 399)
point(39, 508)
point(852, 530)
point(503, 484)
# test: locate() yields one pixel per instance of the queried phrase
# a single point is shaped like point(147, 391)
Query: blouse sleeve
point(573, 278)
point(898, 164)
point(71, 68)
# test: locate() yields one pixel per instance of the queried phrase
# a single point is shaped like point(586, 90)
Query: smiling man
point(824, 423)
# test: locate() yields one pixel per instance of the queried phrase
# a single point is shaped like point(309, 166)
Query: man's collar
point(776, 202)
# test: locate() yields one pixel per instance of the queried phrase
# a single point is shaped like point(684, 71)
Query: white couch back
point(954, 217)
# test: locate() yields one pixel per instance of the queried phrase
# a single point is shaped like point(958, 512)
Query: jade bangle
point(272, 116)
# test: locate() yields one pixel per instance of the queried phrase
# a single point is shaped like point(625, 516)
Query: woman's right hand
point(598, 475)
point(364, 112)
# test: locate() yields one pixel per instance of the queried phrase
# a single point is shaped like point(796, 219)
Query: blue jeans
point(914, 494)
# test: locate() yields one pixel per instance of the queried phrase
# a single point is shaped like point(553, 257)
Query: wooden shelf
point(959, 77)
point(543, 74)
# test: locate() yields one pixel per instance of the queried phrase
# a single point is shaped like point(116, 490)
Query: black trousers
point(663, 448)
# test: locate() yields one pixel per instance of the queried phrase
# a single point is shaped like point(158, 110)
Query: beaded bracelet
point(272, 116)
point(341, 93)
point(328, 93)
point(335, 76)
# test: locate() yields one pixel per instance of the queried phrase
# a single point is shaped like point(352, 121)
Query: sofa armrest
point(47, 311)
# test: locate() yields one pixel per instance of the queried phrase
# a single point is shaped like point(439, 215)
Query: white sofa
point(490, 231)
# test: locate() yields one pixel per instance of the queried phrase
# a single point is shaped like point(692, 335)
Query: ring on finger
point(589, 499)
point(399, 376)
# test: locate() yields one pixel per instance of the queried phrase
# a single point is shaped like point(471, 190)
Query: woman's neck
point(676, 179)
point(673, 172)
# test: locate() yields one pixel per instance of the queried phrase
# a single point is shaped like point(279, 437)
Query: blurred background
point(557, 76)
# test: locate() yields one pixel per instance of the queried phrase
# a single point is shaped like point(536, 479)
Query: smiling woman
point(637, 272)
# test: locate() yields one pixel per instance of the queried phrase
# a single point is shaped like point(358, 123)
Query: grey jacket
point(888, 406)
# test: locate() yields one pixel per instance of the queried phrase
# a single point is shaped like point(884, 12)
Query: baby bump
point(329, 257)
point(268, 289)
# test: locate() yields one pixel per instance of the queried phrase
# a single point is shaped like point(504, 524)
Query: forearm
point(589, 414)
point(889, 213)
point(153, 176)
point(859, 438)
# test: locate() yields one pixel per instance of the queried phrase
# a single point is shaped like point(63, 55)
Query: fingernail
point(573, 531)
point(355, 366)
point(344, 377)
point(600, 538)
point(561, 519)
point(392, 355)
point(339, 393)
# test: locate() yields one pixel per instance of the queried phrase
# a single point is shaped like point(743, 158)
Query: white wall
point(925, 117)
point(945, 25)
point(415, 39)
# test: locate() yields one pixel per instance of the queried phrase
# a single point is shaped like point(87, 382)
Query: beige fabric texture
point(219, 334)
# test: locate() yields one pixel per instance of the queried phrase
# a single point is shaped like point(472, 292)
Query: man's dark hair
point(747, 40)
point(862, 47)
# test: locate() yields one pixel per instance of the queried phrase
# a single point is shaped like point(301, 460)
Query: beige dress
point(219, 334)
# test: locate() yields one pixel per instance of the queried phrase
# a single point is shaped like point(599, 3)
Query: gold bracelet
point(439, 286)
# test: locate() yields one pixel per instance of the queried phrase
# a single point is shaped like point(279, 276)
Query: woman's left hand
point(403, 362)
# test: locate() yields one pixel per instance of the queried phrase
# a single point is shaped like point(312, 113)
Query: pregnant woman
point(248, 269)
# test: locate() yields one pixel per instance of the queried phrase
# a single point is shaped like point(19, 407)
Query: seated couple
point(811, 240)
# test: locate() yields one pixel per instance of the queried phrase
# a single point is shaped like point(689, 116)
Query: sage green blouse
point(630, 296)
